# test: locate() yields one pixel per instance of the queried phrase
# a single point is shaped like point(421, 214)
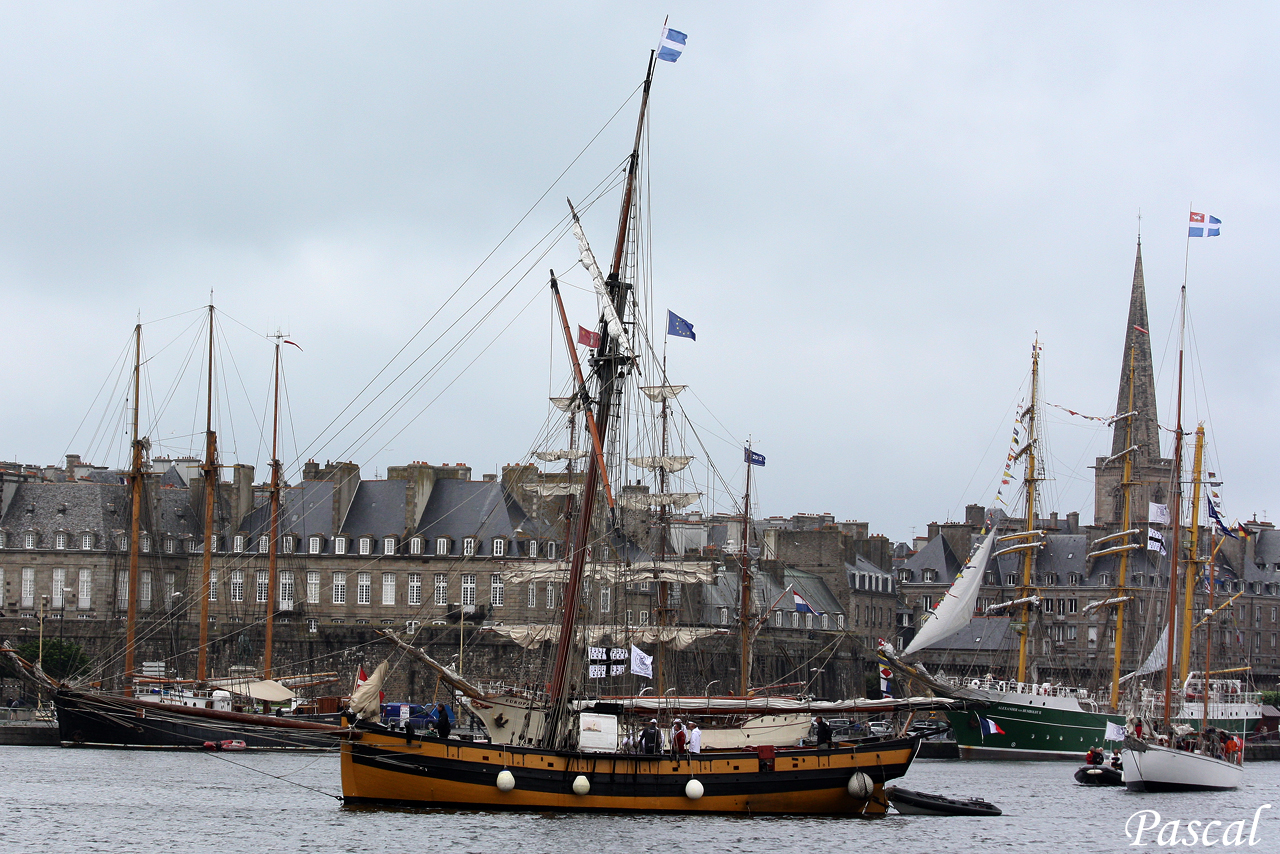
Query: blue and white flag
point(750, 457)
point(679, 327)
point(1115, 732)
point(1215, 513)
point(1204, 225)
point(886, 687)
point(802, 604)
point(672, 44)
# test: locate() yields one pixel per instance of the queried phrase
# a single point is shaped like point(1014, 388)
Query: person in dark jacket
point(443, 727)
point(650, 738)
point(823, 731)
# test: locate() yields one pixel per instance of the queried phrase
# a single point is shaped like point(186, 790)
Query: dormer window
point(443, 546)
point(29, 540)
point(86, 541)
point(469, 547)
point(193, 545)
point(237, 544)
point(551, 550)
point(314, 544)
point(499, 547)
point(60, 540)
point(388, 545)
point(533, 548)
point(170, 545)
point(415, 545)
point(366, 545)
point(930, 576)
point(288, 546)
point(4, 540)
point(122, 542)
point(215, 541)
point(264, 543)
point(144, 544)
point(339, 545)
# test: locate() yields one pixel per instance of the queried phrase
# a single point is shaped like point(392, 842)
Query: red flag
point(587, 337)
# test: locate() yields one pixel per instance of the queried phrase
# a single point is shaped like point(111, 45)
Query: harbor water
point(125, 801)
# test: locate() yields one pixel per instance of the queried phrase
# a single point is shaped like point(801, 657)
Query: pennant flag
point(1158, 513)
point(679, 327)
point(1216, 515)
point(1155, 541)
point(886, 690)
point(990, 727)
point(1115, 732)
point(589, 338)
point(802, 604)
point(641, 664)
point(672, 44)
point(1203, 225)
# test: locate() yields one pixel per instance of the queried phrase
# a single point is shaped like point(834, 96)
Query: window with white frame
point(826, 622)
point(84, 597)
point(313, 625)
point(313, 587)
point(122, 590)
point(468, 588)
point(497, 590)
point(237, 585)
point(57, 598)
point(60, 540)
point(533, 594)
point(4, 540)
point(339, 588)
point(644, 618)
point(443, 546)
point(314, 544)
point(415, 545)
point(237, 543)
point(262, 584)
point(808, 621)
point(631, 616)
point(388, 545)
point(777, 619)
point(29, 587)
point(286, 590)
point(415, 588)
point(551, 549)
point(551, 594)
point(170, 545)
point(144, 589)
point(499, 547)
point(122, 542)
point(441, 589)
point(29, 540)
point(605, 600)
point(86, 541)
point(290, 544)
point(144, 543)
point(724, 616)
point(194, 545)
point(795, 619)
point(366, 545)
point(469, 547)
point(840, 621)
point(364, 588)
point(339, 545)
point(213, 585)
point(170, 589)
point(388, 588)
point(264, 543)
point(533, 548)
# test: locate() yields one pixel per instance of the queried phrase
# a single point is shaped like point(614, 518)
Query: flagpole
point(1186, 256)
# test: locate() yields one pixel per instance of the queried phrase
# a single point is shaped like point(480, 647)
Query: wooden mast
point(210, 499)
point(1029, 479)
point(744, 684)
point(1125, 484)
point(1175, 545)
point(275, 519)
point(609, 363)
point(135, 520)
point(663, 529)
point(1193, 559)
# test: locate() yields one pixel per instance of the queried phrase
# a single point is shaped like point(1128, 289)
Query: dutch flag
point(990, 727)
point(672, 44)
point(802, 605)
point(1204, 225)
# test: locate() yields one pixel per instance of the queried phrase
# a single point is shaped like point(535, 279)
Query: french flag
point(990, 727)
point(1204, 225)
point(802, 604)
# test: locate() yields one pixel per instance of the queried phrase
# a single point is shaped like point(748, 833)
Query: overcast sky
point(869, 211)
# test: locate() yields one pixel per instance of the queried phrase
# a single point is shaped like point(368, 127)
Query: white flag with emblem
point(641, 664)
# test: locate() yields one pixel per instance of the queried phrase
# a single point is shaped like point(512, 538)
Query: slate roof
point(468, 508)
point(304, 510)
point(937, 554)
point(377, 509)
point(46, 508)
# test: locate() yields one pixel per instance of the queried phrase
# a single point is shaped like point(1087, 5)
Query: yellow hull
point(381, 767)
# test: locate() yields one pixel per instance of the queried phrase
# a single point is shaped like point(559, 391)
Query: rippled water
point(129, 801)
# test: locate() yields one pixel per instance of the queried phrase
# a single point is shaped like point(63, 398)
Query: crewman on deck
point(650, 737)
point(695, 738)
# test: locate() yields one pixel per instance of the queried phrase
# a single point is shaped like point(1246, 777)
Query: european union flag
point(679, 327)
point(752, 458)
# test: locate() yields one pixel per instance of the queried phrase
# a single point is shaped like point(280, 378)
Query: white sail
point(659, 393)
point(668, 463)
point(675, 637)
point(1156, 660)
point(675, 500)
point(616, 329)
point(568, 404)
point(565, 454)
point(553, 489)
point(365, 699)
point(690, 572)
point(956, 608)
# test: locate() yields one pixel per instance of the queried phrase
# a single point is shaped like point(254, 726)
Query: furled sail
point(565, 454)
point(956, 608)
point(675, 500)
point(568, 404)
point(689, 572)
point(366, 698)
point(616, 329)
point(659, 393)
point(551, 490)
point(667, 463)
point(675, 637)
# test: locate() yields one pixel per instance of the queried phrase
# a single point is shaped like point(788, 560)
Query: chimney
point(242, 492)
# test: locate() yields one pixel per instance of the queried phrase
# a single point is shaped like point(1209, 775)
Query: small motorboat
point(1099, 775)
point(908, 802)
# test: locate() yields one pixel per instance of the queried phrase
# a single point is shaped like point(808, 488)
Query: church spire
point(1146, 433)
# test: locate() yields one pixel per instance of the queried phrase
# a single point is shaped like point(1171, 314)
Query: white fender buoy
point(581, 785)
point(693, 790)
point(860, 785)
point(506, 780)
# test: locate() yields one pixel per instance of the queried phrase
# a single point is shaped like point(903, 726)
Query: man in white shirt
point(695, 738)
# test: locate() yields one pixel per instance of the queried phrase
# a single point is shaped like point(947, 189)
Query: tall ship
point(1036, 718)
